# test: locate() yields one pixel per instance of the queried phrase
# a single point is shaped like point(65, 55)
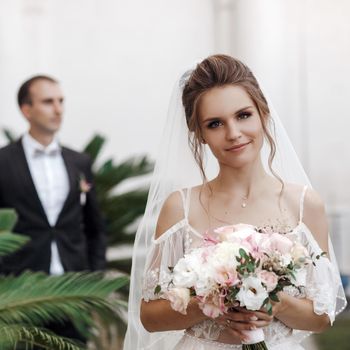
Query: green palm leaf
point(93, 148)
point(9, 135)
point(8, 219)
point(10, 242)
point(109, 175)
point(36, 298)
point(15, 336)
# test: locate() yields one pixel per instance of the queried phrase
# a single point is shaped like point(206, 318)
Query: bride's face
point(231, 125)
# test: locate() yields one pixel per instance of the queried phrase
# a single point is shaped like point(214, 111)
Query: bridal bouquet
point(241, 264)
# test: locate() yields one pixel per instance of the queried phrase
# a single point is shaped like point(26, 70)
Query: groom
point(51, 188)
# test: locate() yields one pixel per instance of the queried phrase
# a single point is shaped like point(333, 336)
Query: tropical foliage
point(121, 209)
point(29, 301)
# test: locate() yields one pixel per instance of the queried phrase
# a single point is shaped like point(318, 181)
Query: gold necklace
point(243, 205)
point(244, 201)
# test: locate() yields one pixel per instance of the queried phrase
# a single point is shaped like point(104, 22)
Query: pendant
point(244, 204)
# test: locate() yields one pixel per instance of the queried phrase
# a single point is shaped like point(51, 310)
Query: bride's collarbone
point(281, 220)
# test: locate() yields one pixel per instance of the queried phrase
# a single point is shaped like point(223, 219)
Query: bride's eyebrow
point(210, 119)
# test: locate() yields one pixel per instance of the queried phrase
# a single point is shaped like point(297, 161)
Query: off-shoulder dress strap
point(301, 204)
point(186, 199)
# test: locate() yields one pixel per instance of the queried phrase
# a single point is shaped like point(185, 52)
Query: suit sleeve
point(94, 226)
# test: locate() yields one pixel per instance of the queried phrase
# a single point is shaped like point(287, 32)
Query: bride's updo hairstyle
point(218, 71)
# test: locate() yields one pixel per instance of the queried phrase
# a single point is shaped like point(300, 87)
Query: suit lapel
point(73, 175)
point(26, 180)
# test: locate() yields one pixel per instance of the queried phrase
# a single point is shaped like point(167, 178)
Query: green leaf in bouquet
point(157, 289)
point(265, 302)
point(243, 253)
point(269, 308)
point(8, 218)
point(274, 297)
point(250, 267)
point(292, 274)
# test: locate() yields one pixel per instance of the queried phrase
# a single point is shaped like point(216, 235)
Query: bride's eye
point(244, 115)
point(214, 124)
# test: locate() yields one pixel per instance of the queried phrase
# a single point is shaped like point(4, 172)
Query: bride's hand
point(263, 317)
point(235, 321)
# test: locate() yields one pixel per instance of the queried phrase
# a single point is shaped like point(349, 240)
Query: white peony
point(252, 293)
point(179, 299)
point(224, 255)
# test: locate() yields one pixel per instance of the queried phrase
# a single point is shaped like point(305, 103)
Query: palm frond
point(8, 219)
point(109, 175)
point(36, 298)
point(9, 135)
point(13, 336)
point(93, 148)
point(10, 242)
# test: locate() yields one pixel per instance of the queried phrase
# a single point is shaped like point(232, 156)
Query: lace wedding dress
point(181, 238)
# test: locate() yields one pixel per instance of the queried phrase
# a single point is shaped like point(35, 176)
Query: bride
point(245, 171)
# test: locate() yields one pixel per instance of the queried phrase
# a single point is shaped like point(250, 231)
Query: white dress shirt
point(51, 181)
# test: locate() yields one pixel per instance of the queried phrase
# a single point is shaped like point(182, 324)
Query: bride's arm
point(158, 315)
point(299, 313)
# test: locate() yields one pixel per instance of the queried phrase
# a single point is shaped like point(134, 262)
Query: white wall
point(300, 50)
point(117, 62)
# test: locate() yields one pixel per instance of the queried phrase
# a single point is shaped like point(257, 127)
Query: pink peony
point(226, 277)
point(214, 306)
point(240, 231)
point(277, 242)
point(269, 278)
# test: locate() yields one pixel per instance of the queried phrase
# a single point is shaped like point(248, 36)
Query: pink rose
point(270, 279)
point(277, 242)
point(179, 299)
point(234, 232)
point(213, 306)
point(226, 276)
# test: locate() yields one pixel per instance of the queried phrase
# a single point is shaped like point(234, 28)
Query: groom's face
point(44, 112)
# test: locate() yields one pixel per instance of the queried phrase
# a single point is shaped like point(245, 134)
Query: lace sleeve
point(322, 282)
point(164, 253)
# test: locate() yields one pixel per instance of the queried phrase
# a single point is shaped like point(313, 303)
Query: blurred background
point(117, 62)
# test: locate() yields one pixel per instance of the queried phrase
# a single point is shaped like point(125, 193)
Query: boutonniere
point(84, 187)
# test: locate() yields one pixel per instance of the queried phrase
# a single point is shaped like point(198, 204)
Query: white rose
point(252, 294)
point(183, 276)
point(205, 282)
point(179, 299)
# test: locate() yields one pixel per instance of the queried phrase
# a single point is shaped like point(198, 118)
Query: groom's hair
point(23, 96)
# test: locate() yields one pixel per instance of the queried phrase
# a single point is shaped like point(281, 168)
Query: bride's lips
point(238, 147)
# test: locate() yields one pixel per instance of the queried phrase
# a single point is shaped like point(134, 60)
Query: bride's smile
point(231, 125)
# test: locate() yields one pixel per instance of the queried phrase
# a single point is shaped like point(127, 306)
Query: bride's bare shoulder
point(172, 212)
point(313, 211)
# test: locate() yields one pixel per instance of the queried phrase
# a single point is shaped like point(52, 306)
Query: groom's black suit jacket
point(79, 230)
